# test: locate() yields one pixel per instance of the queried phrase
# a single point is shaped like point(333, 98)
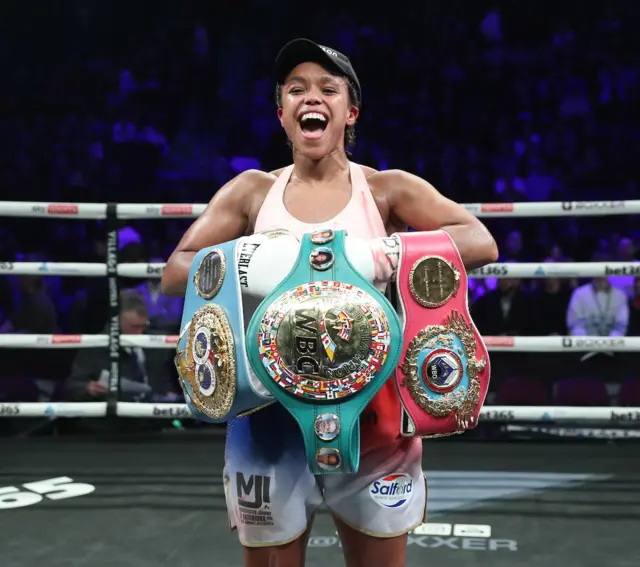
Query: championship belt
point(443, 377)
point(211, 360)
point(323, 343)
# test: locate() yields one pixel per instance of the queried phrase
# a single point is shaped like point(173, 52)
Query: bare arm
point(416, 203)
point(225, 218)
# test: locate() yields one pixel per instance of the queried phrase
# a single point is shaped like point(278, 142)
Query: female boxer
point(271, 495)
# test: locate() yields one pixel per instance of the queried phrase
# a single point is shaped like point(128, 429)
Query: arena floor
point(158, 500)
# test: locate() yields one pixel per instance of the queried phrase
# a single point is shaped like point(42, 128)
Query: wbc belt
point(211, 360)
point(443, 377)
point(323, 343)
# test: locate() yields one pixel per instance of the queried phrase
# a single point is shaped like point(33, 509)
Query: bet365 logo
point(35, 492)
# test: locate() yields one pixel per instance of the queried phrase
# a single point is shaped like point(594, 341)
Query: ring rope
point(564, 344)
point(177, 210)
point(499, 270)
point(112, 269)
point(501, 414)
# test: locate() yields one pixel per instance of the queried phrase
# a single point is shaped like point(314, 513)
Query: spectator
point(35, 311)
point(144, 372)
point(551, 307)
point(598, 309)
point(595, 309)
point(503, 311)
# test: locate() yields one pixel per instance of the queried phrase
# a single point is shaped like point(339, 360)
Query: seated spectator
point(551, 303)
point(503, 311)
point(145, 373)
point(598, 309)
point(34, 310)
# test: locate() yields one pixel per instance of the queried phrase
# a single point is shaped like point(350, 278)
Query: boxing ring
point(483, 499)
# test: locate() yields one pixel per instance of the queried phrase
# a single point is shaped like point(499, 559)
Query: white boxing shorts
point(272, 496)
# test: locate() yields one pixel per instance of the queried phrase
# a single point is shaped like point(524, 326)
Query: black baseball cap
point(303, 50)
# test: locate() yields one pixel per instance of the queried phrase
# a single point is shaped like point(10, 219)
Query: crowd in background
point(165, 103)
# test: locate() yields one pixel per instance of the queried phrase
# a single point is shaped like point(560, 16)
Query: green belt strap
point(323, 343)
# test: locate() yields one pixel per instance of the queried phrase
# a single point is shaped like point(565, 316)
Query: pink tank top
point(360, 217)
point(380, 422)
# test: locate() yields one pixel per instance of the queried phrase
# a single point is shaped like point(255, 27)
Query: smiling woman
point(321, 192)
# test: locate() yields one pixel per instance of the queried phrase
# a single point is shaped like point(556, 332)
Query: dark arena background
point(527, 112)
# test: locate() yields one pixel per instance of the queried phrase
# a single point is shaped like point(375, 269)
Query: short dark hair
point(132, 300)
point(354, 100)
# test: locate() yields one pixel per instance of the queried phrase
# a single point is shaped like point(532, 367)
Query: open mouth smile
point(313, 125)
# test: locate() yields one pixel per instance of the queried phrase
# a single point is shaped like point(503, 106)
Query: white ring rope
point(178, 210)
point(85, 341)
point(503, 414)
point(505, 270)
point(494, 344)
point(543, 414)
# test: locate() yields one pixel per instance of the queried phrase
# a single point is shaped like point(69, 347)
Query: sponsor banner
point(497, 415)
point(582, 206)
point(176, 210)
point(9, 410)
point(66, 339)
point(56, 209)
point(68, 411)
point(170, 210)
point(42, 340)
point(496, 208)
point(171, 412)
point(59, 268)
point(556, 270)
point(162, 339)
point(629, 270)
point(631, 416)
point(155, 270)
point(596, 343)
point(493, 341)
point(490, 270)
